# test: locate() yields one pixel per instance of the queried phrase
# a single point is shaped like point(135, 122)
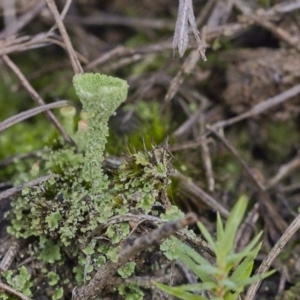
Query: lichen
point(67, 214)
point(100, 96)
point(20, 282)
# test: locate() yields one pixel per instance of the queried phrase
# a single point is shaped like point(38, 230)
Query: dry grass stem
point(36, 97)
point(73, 57)
point(263, 197)
point(30, 113)
point(185, 18)
point(131, 247)
point(12, 291)
point(18, 189)
point(276, 250)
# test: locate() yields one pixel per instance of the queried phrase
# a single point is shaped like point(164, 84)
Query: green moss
point(153, 128)
point(141, 177)
point(281, 138)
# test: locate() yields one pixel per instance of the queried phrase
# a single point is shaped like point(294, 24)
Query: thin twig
point(27, 43)
point(284, 171)
point(131, 247)
point(260, 107)
point(246, 229)
point(278, 32)
point(7, 161)
point(206, 158)
point(30, 113)
point(22, 21)
point(187, 67)
point(12, 291)
point(36, 97)
point(107, 19)
point(62, 15)
point(134, 246)
point(186, 184)
point(13, 191)
point(276, 218)
point(9, 256)
point(264, 267)
point(74, 60)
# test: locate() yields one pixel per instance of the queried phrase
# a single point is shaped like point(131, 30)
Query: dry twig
point(284, 171)
point(264, 198)
point(187, 185)
point(186, 17)
point(260, 107)
point(9, 256)
point(131, 247)
point(12, 291)
point(72, 54)
point(264, 267)
point(18, 189)
point(30, 113)
point(22, 21)
point(36, 97)
point(187, 67)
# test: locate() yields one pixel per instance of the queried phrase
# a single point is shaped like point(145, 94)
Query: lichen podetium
point(100, 96)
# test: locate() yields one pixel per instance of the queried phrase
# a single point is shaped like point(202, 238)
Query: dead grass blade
point(72, 54)
point(131, 247)
point(264, 267)
point(184, 18)
point(12, 291)
point(36, 97)
point(30, 113)
point(14, 190)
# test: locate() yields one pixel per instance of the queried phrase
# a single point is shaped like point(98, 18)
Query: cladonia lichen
point(100, 96)
point(66, 215)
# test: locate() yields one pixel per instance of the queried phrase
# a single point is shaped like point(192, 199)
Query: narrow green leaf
point(200, 260)
point(188, 260)
point(220, 229)
point(233, 222)
point(243, 271)
point(207, 236)
point(255, 278)
point(230, 295)
point(237, 257)
point(228, 284)
point(197, 287)
point(178, 292)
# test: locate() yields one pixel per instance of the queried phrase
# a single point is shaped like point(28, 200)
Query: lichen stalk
point(100, 96)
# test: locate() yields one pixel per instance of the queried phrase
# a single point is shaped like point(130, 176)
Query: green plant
point(20, 282)
point(65, 215)
point(232, 272)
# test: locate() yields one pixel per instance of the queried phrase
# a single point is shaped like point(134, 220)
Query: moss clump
point(141, 177)
point(146, 126)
